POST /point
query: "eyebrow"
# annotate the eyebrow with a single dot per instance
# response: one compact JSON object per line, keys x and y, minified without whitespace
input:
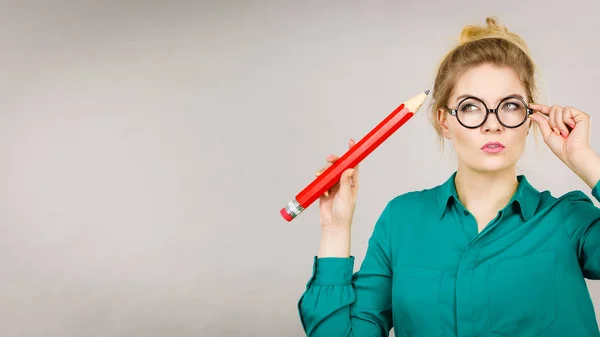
{"x":459,"y":98}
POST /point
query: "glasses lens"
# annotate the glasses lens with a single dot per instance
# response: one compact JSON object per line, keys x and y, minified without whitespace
{"x":471,"y":112}
{"x":512,"y":111}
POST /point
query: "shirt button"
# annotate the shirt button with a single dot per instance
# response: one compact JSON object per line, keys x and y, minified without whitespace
{"x":466,"y":212}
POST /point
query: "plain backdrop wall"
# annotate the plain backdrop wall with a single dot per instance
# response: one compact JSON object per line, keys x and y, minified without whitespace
{"x":147,"y":147}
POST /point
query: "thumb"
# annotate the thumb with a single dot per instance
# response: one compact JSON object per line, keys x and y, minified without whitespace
{"x":346,"y":181}
{"x":543,"y":124}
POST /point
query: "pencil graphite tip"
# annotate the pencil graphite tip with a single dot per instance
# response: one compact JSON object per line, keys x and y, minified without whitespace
{"x":427,"y":92}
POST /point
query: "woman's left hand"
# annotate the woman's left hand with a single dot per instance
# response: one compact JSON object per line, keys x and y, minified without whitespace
{"x":566,"y":130}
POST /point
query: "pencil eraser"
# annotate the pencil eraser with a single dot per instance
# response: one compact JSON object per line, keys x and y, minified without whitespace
{"x":285,"y":215}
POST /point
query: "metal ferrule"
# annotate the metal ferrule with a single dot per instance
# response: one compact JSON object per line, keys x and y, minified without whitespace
{"x":293,"y":208}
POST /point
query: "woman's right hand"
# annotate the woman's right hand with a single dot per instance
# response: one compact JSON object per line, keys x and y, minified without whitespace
{"x":337,"y":204}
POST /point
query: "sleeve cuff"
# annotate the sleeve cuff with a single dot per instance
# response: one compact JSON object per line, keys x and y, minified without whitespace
{"x":596,"y":191}
{"x":333,"y":270}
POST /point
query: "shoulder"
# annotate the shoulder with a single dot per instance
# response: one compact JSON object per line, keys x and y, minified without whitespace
{"x":575,"y":196}
{"x":415,"y":199}
{"x":547,"y":199}
{"x":577,"y":206}
{"x":574,"y":207}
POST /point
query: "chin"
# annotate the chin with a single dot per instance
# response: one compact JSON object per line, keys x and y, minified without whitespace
{"x":495,"y":164}
{"x":481,"y":162}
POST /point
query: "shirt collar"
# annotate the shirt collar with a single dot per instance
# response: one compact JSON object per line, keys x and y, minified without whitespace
{"x":446,"y":194}
{"x":525,"y":200}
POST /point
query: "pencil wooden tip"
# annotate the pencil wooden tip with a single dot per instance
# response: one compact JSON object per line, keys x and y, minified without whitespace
{"x":414,"y":104}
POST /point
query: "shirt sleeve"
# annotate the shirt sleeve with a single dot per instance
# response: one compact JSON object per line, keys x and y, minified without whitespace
{"x":338,"y":303}
{"x":583,"y":225}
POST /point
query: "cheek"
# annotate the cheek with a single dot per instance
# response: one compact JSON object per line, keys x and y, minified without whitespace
{"x":464,"y":138}
{"x":519,"y":138}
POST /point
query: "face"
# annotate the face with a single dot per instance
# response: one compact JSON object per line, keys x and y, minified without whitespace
{"x":491,"y":147}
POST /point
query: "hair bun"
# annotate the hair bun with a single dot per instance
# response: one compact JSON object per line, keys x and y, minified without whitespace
{"x":492,"y":23}
{"x":475,"y":32}
{"x":492,"y":29}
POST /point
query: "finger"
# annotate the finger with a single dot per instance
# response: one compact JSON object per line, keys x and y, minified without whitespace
{"x":578,"y":116}
{"x":330,"y":159}
{"x":543,"y":123}
{"x":552,"y":118}
{"x":559,"y":122}
{"x":352,"y":180}
{"x":568,"y":117}
{"x":547,"y":111}
{"x":540,"y":107}
{"x":352,"y":183}
{"x":346,"y":181}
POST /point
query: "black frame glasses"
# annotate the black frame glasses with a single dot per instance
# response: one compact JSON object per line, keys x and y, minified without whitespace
{"x":454,"y":112}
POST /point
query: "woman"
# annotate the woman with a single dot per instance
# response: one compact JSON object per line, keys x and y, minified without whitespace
{"x":485,"y":253}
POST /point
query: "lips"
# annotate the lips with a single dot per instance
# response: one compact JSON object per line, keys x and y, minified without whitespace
{"x":493,"y":147}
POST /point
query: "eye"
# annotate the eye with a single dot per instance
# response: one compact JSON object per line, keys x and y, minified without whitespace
{"x":470,"y":107}
{"x":511,"y":106}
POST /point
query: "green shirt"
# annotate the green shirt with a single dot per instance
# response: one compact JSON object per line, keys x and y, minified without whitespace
{"x":428,"y":271}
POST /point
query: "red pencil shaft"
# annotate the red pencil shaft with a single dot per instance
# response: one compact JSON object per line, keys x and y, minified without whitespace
{"x":354,"y":155}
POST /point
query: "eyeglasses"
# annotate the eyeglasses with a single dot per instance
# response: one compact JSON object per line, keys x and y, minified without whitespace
{"x":471,"y":112}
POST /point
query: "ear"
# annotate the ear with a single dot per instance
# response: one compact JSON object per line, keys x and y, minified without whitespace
{"x":442,"y":117}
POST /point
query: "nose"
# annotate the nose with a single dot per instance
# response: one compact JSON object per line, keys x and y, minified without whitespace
{"x":491,"y":123}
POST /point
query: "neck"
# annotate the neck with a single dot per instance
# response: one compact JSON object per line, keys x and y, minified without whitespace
{"x":485,"y":191}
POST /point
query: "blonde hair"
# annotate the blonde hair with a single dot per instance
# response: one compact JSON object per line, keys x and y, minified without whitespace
{"x":492,"y":44}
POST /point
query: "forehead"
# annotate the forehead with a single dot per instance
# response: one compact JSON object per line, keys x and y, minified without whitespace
{"x":488,"y":82}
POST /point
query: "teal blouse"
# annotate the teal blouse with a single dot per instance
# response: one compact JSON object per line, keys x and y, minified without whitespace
{"x":428,"y":271}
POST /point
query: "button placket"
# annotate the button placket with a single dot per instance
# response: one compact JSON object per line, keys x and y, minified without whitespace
{"x":464,"y":298}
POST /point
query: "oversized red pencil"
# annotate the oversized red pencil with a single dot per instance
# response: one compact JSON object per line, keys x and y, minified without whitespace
{"x":353,"y":156}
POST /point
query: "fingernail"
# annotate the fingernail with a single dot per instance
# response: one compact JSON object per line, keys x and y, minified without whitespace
{"x":572,"y":126}
{"x":330,"y":156}
{"x":564,"y":134}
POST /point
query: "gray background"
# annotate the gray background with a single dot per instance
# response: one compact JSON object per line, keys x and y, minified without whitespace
{"x":148,"y":146}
